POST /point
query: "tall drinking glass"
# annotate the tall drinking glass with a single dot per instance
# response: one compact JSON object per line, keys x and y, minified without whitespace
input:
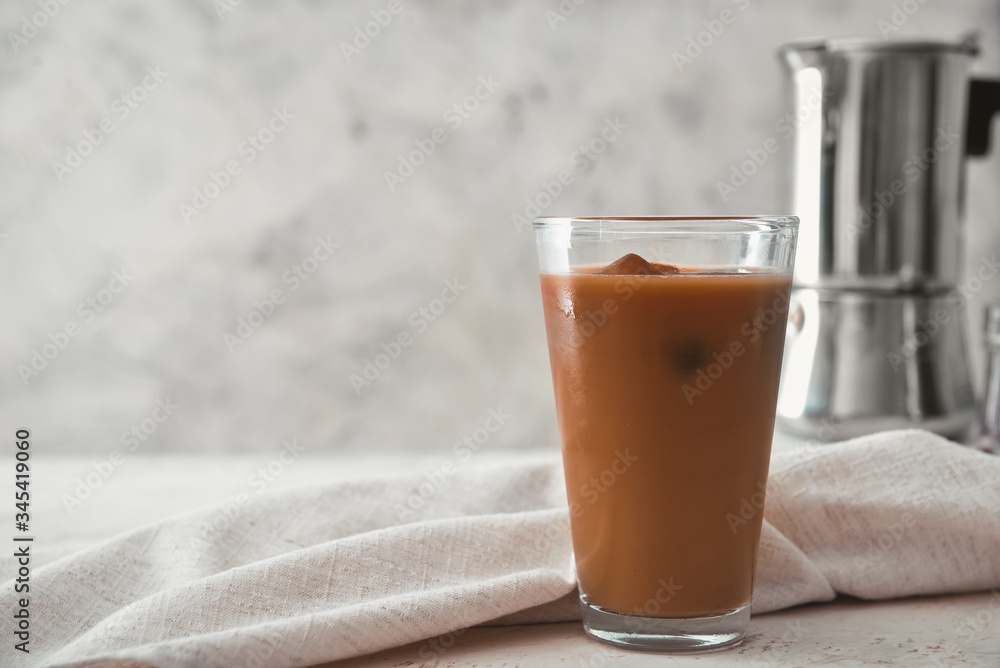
{"x":665,"y":338}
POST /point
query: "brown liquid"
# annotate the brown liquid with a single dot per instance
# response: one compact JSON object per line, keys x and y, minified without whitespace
{"x":665,"y":464}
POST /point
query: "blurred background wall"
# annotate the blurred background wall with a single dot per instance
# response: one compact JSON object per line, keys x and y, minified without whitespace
{"x":200,"y":245}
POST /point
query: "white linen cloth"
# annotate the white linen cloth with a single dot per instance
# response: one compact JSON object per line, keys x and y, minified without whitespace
{"x":313,"y":574}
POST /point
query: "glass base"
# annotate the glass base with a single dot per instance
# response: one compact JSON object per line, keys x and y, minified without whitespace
{"x":664,"y":634}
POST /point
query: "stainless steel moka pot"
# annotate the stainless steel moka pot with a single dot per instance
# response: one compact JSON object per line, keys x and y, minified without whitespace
{"x":877,"y":331}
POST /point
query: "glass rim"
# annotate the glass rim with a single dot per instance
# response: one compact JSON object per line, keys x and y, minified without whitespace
{"x":755,"y":224}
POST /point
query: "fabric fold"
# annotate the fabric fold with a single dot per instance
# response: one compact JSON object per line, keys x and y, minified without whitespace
{"x":326,"y":572}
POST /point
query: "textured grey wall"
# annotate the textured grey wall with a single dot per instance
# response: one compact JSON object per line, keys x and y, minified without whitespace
{"x":174,"y":94}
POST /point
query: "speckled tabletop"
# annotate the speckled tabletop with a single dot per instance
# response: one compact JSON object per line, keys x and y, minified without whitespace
{"x":936,"y":631}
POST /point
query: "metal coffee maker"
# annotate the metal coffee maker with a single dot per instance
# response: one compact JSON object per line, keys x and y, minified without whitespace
{"x":877,"y":335}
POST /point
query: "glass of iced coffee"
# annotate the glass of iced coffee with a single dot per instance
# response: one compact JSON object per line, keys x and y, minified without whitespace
{"x":665,"y":339}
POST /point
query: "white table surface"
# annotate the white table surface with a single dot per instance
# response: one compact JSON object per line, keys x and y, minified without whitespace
{"x":914,"y":632}
{"x":961,"y":630}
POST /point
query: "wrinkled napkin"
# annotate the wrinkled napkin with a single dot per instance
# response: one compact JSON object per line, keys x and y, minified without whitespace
{"x":313,"y":574}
